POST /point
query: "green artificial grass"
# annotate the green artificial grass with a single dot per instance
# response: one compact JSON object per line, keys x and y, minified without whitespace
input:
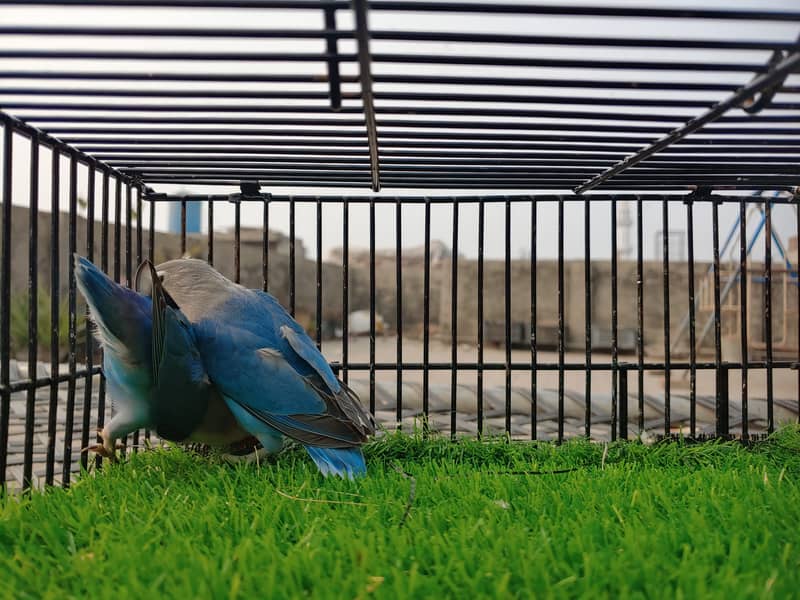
{"x":666,"y":521}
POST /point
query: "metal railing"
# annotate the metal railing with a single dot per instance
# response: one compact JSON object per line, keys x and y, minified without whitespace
{"x":420,"y":122}
{"x":618,"y":393}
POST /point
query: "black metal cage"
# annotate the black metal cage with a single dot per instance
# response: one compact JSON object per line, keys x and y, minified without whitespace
{"x":665,"y":114}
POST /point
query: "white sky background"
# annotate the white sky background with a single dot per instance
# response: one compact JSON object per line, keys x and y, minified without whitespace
{"x":413,"y":216}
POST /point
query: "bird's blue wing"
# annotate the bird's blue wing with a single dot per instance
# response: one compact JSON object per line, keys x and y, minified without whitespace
{"x":181,"y":390}
{"x":303,"y":355}
{"x":263,"y":383}
{"x":302,"y":345}
{"x":298,"y":340}
{"x":256,"y":366}
{"x":273,"y":378}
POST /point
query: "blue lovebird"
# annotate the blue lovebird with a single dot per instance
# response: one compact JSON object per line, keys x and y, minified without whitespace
{"x":210,"y":361}
{"x":154,"y":372}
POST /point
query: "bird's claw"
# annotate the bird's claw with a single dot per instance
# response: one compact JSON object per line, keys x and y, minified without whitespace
{"x":101,"y":450}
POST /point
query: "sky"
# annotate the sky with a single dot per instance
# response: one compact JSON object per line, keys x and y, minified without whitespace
{"x":441,"y":223}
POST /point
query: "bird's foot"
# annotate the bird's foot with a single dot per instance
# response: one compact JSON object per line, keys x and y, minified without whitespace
{"x":104,"y":451}
{"x":101,"y":450}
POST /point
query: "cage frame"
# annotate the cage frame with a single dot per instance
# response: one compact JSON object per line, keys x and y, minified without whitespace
{"x":597,"y":162}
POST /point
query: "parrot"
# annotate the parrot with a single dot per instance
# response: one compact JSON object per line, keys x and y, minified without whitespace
{"x":206,"y":360}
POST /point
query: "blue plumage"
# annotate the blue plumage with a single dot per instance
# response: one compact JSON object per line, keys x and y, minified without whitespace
{"x":211,"y":361}
{"x":348,"y":462}
{"x":122,"y":316}
{"x":124,"y":327}
{"x":181,"y":393}
{"x":269,"y":371}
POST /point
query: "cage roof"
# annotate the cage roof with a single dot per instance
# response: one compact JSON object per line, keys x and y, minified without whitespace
{"x":412,"y":95}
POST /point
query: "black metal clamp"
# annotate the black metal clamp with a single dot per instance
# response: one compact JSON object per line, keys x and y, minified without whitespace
{"x":250,"y":188}
{"x":760,"y":100}
{"x":701,"y":193}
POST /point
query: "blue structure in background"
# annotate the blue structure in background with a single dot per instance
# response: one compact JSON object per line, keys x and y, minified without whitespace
{"x":193,"y":212}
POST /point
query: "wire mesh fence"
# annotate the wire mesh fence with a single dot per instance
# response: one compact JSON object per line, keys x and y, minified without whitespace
{"x":538,"y":315}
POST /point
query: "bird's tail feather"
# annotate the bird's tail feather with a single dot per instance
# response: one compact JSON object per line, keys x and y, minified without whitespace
{"x":347,"y":463}
{"x":121,"y":315}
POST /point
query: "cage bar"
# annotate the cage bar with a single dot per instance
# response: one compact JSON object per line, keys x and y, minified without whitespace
{"x":5,"y":314}
{"x":33,"y":313}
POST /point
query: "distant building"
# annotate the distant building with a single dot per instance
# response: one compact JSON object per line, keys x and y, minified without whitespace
{"x":439,"y":251}
{"x":193,"y":213}
{"x":254,"y":236}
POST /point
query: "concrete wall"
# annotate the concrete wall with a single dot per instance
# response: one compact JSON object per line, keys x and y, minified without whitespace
{"x":574,"y":303}
{"x":167,"y":246}
{"x":413,"y":282}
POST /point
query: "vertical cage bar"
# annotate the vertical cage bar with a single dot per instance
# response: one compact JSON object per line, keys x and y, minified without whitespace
{"x":372,"y":306}
{"x":331,"y":48}
{"x":118,"y":259}
{"x":88,"y":385}
{"x":743,"y":313}
{"x":614,"y":323}
{"x":72,"y":245}
{"x":640,"y":309}
{"x":265,"y":247}
{"x":33,"y":311}
{"x":665,"y":261}
{"x":768,"y":311}
{"x":692,"y":333}
{"x":151,"y":240}
{"x":507,"y":312}
{"x":318,"y":275}
{"x":139,"y":234}
{"x":623,"y":404}
{"x":210,"y":228}
{"x":128,"y":235}
{"x":721,"y":411}
{"x":724,"y":395}
{"x":534,"y":386}
{"x":454,"y":324}
{"x":55,"y":245}
{"x":587,"y":306}
{"x":797,"y":281}
{"x":345,"y":286}
{"x":5,"y":320}
{"x":560,"y":295}
{"x":117,"y":228}
{"x":101,"y":391}
{"x":137,"y":257}
{"x":481,"y":228}
{"x":399,"y":278}
{"x":183,"y":228}
{"x":150,"y":249}
{"x":129,"y":263}
{"x":426,"y":314}
{"x":292,"y":287}
{"x":237,"y":241}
